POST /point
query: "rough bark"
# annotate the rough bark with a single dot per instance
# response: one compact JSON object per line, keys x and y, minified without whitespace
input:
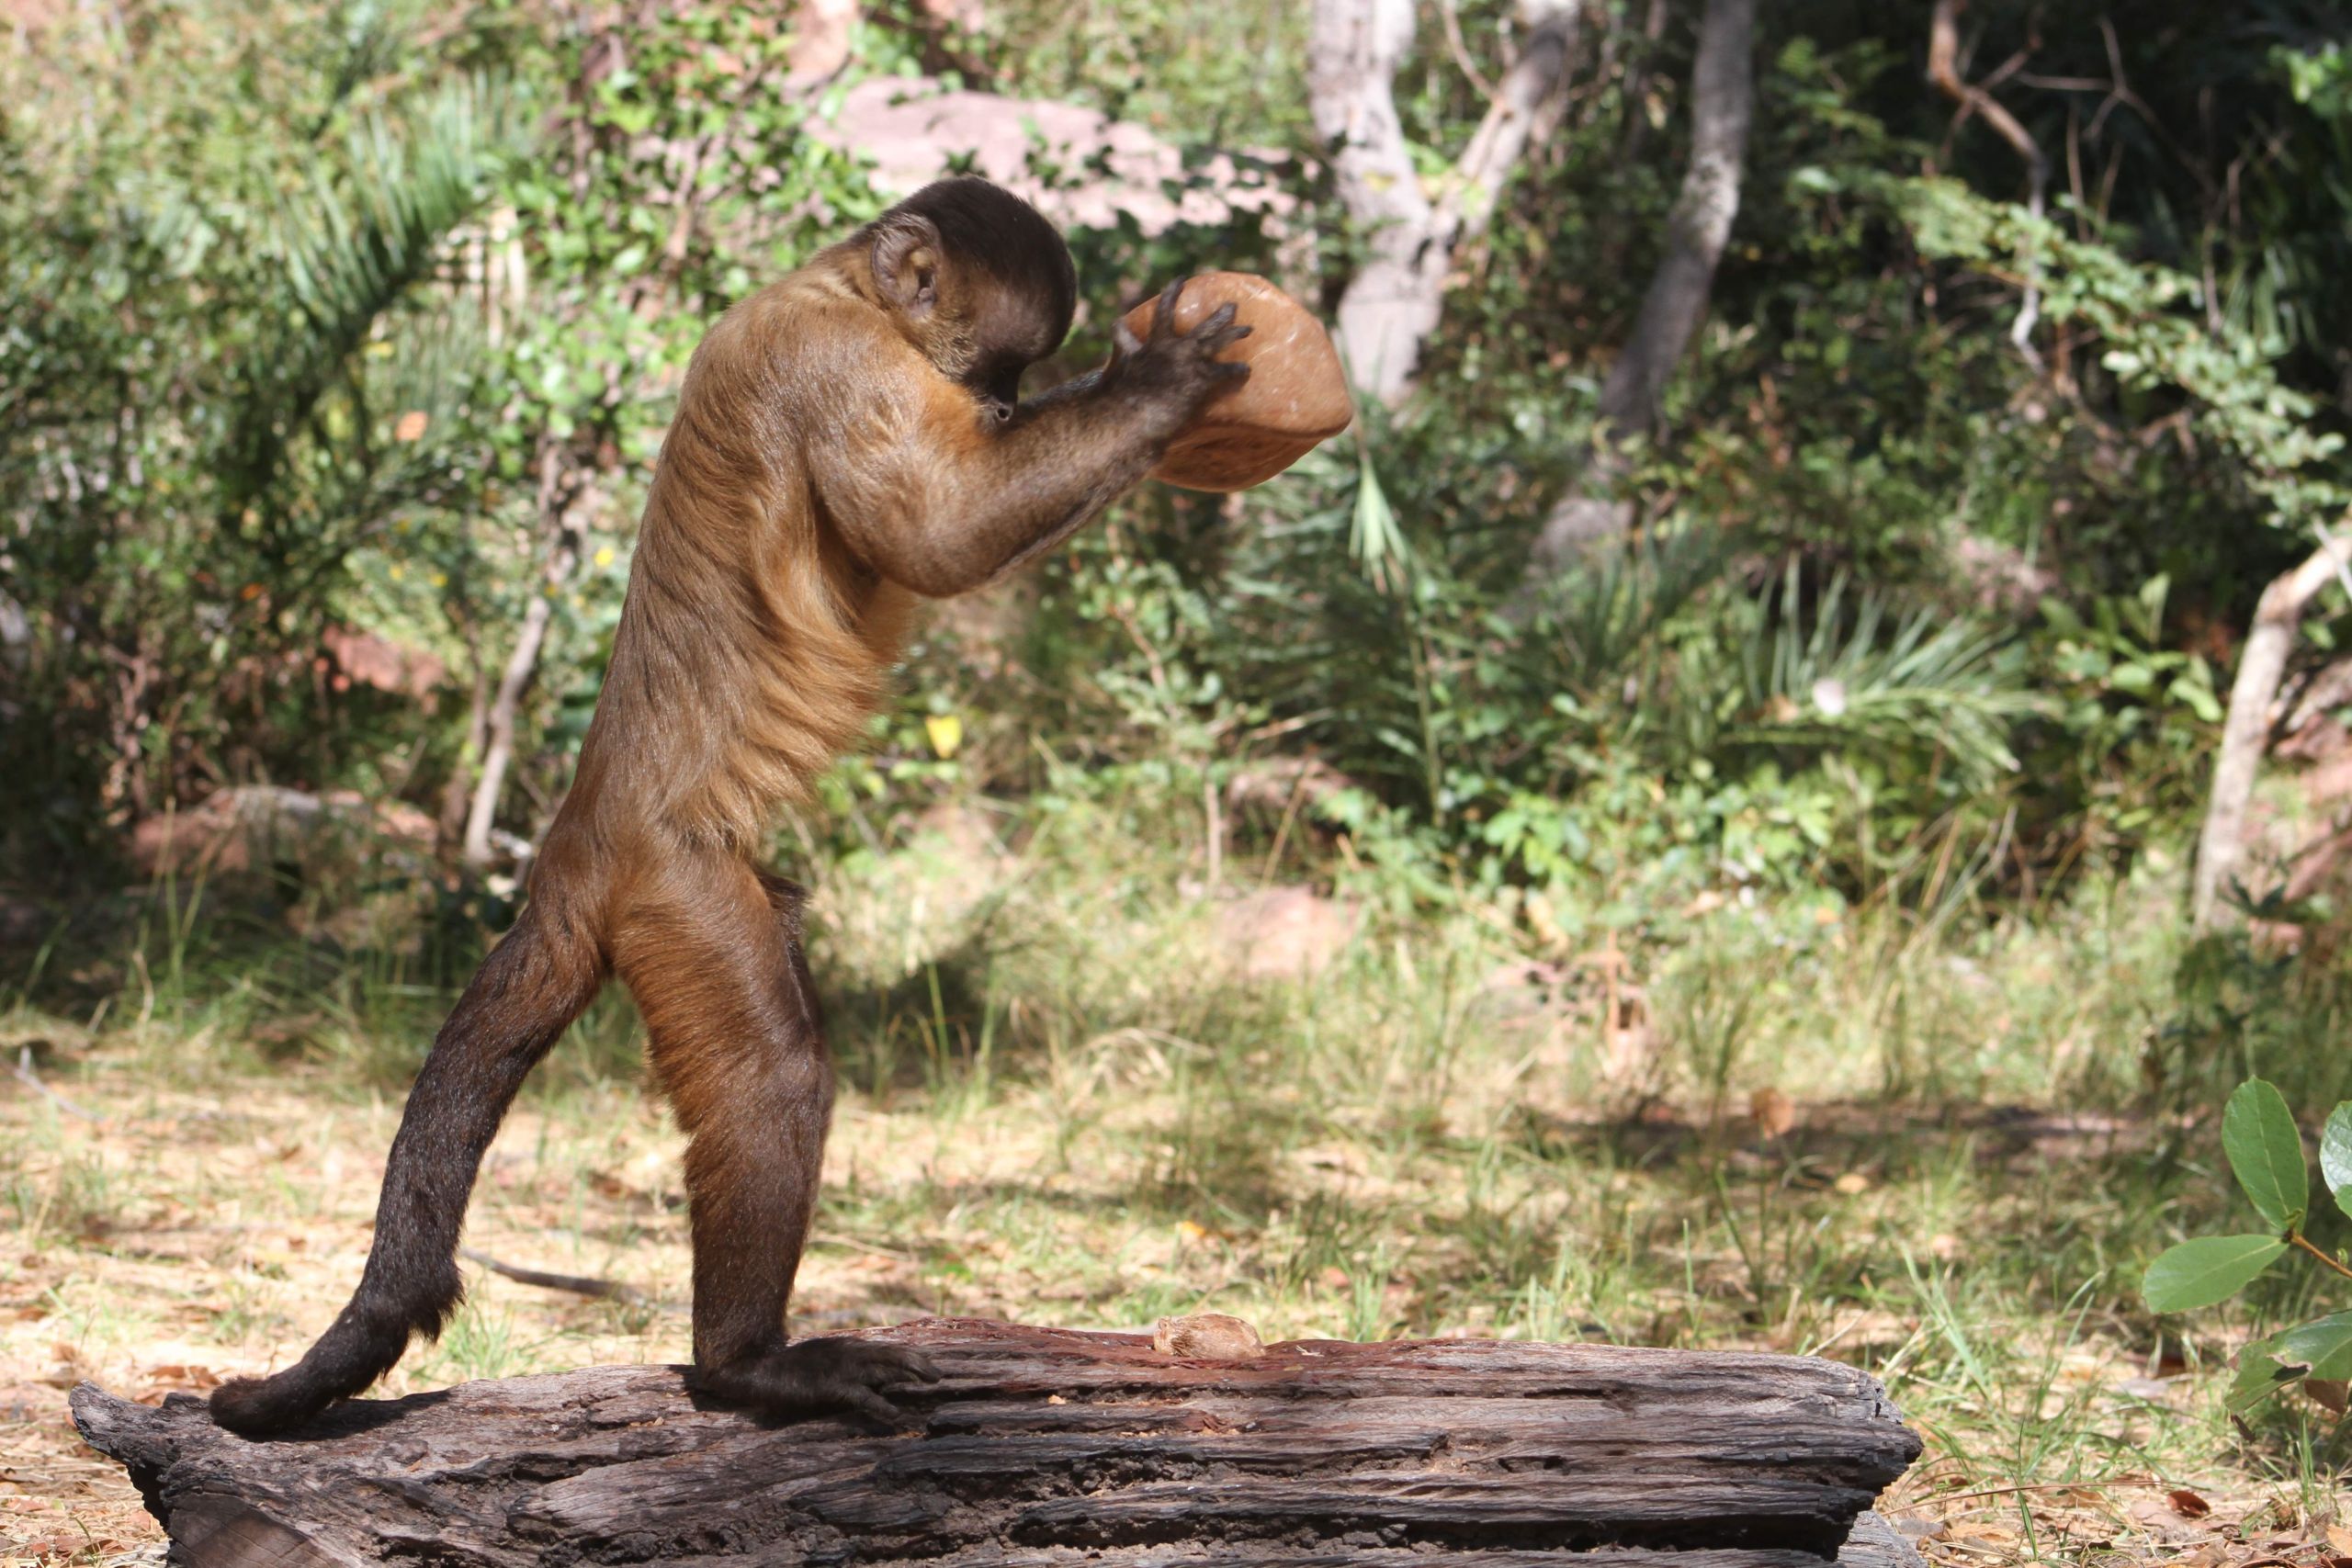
{"x":2245,"y":732}
{"x":1394,"y":303}
{"x":1723,"y":91}
{"x":1046,"y":1447}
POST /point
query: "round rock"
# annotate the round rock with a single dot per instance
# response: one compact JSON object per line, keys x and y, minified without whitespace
{"x":1295,"y":397}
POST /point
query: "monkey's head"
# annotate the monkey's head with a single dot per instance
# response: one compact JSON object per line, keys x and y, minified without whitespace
{"x":977,"y":280}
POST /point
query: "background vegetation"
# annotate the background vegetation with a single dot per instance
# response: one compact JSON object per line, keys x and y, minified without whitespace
{"x":1771,"y":930}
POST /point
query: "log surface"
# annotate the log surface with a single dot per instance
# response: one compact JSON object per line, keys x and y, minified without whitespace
{"x":1046,"y":1447}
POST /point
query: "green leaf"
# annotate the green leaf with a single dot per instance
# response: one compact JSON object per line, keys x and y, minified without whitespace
{"x":2259,"y":1376}
{"x":2336,"y":1154}
{"x":2208,"y":1269}
{"x":2197,"y":697}
{"x":2266,"y":1151}
{"x":2321,"y":1348}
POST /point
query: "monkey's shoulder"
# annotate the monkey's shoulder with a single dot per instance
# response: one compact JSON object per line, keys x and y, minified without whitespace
{"x":807,"y":355}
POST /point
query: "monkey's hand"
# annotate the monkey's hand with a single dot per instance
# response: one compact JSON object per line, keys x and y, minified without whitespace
{"x":1175,"y":373}
{"x":813,"y":1375}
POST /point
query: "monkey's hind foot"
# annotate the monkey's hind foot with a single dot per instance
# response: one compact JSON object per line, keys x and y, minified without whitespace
{"x":811,"y":1376}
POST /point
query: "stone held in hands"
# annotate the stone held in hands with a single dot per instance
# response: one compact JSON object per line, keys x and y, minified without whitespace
{"x":1296,"y":395}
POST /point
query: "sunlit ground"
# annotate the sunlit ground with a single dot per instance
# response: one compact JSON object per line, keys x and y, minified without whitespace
{"x":1095,"y":1125}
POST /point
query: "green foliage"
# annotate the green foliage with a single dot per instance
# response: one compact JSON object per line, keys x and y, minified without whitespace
{"x":2236,"y":397}
{"x":287,"y":363}
{"x":347,"y":335}
{"x":1653,"y":724}
{"x":2266,"y":1154}
{"x":234,"y":372}
{"x":2133,"y":716}
{"x":2210,"y":1269}
{"x":1195,"y":63}
{"x":2336,"y":1154}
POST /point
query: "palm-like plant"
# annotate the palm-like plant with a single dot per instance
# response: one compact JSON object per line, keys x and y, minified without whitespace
{"x":220,"y":302}
{"x":1860,"y":676}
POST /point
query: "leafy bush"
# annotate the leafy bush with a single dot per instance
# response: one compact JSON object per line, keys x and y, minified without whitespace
{"x":2266,"y":1154}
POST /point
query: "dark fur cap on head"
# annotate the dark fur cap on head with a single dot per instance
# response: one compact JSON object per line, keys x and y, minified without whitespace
{"x":991,"y":230}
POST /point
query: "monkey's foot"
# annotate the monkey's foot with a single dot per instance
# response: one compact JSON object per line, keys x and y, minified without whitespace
{"x":813,"y":1375}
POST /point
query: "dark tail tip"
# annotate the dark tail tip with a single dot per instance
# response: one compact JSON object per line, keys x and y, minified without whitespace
{"x":262,"y":1408}
{"x":343,"y":1362}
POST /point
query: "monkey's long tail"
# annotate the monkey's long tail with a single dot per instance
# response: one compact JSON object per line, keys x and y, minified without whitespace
{"x":528,"y":990}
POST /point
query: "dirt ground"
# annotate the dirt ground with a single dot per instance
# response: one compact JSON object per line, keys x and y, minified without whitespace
{"x":165,"y":1238}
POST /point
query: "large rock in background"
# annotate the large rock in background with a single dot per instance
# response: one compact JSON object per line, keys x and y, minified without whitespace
{"x":912,"y":128}
{"x":1285,"y":933}
{"x":364,"y":869}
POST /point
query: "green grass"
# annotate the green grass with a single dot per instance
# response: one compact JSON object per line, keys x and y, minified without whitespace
{"x":1060,"y":1105}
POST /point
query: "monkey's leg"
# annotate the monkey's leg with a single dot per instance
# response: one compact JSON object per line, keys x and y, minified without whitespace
{"x":528,"y":991}
{"x":737,"y":1045}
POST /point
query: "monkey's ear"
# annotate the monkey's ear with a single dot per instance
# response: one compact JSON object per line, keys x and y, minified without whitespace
{"x":907,"y":254}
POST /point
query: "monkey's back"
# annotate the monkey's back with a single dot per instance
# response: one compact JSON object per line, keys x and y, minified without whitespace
{"x":752,"y":647}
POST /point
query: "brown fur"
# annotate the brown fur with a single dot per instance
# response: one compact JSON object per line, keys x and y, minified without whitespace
{"x":846,"y":441}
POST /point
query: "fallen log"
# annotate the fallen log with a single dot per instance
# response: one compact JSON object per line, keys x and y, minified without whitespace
{"x":1046,"y":1447}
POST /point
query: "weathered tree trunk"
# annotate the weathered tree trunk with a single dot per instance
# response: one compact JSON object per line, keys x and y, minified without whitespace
{"x":2245,"y":733}
{"x":1046,"y":1447}
{"x":1393,"y":303}
{"x":1723,"y":93}
{"x":561,"y":508}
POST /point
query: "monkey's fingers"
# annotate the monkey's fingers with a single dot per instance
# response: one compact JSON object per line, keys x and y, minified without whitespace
{"x":1218,"y":320}
{"x":1163,"y":320}
{"x":1222,"y":335}
{"x":885,"y":1366}
{"x":872,"y":1407}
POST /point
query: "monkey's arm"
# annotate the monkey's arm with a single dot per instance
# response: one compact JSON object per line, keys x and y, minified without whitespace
{"x":951,"y":499}
{"x":940,"y":496}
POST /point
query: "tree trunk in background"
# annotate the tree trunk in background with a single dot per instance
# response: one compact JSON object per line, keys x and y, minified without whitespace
{"x":1637,"y":88}
{"x":1394,"y":303}
{"x":2220,"y":845}
{"x":1351,"y":58}
{"x":457,"y":801}
{"x":564,"y":514}
{"x":1723,"y":92}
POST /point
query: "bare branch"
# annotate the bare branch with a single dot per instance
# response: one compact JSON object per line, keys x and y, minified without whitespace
{"x":564,"y":514}
{"x":1396,"y":298}
{"x":31,"y":1079}
{"x":1451,"y":16}
{"x":576,"y":1284}
{"x":1943,"y":70}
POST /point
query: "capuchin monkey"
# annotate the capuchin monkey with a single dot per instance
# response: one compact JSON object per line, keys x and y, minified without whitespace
{"x":848,"y":441}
